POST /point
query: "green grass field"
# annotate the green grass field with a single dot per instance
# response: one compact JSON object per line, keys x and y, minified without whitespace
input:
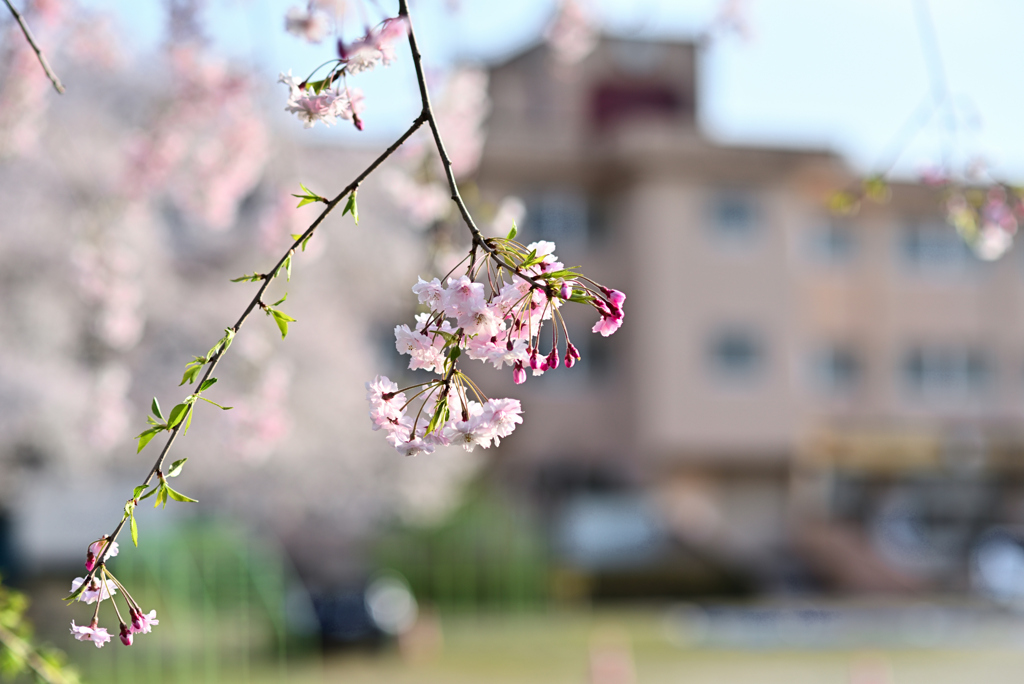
{"x":557,"y":647}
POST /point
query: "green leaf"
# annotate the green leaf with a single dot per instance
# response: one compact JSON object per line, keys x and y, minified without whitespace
{"x":138,"y":490}
{"x":176,"y":467}
{"x":512,"y":233}
{"x":249,"y":278}
{"x":77,"y":592}
{"x":282,"y":319}
{"x":440,"y":415}
{"x":191,"y":412}
{"x":178,"y":496}
{"x":150,"y":493}
{"x":191,"y":372}
{"x":135,"y":531}
{"x":281,"y":301}
{"x":207,"y":384}
{"x":146,"y":437}
{"x":351,"y":208}
{"x":454,"y":353}
{"x":156,"y":409}
{"x":161,"y":495}
{"x":222,"y":408}
{"x":288,"y":267}
{"x":177,"y":415}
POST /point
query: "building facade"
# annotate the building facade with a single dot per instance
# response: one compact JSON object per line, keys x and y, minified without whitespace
{"x":799,"y":397}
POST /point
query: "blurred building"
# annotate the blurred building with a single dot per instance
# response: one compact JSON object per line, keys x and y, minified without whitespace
{"x":796,"y":398}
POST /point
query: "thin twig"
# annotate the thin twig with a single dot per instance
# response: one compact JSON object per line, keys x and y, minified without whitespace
{"x":446,"y":162}
{"x":35,"y":46}
{"x":271,"y":274}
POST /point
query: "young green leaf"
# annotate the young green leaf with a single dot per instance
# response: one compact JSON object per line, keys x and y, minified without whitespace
{"x":207,"y":384}
{"x":440,"y":416}
{"x":351,"y":207}
{"x":281,"y":301}
{"x":146,"y":436}
{"x":222,"y":408}
{"x":177,"y":414}
{"x":138,"y":490}
{"x":161,"y":495}
{"x":176,"y":467}
{"x":249,"y":278}
{"x":135,"y":530}
{"x":156,"y":409}
{"x":77,"y":592}
{"x":178,"y":496}
{"x":282,"y":319}
{"x":150,"y":493}
{"x":191,"y":372}
{"x":512,"y":233}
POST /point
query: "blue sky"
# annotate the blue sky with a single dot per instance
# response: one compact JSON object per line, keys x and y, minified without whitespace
{"x":842,"y":74}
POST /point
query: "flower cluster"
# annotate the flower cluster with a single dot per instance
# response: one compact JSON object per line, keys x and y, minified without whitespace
{"x":329,"y":99}
{"x":98,"y":586}
{"x":986,"y":218}
{"x":499,"y":321}
{"x":326,"y":104}
{"x":376,"y":47}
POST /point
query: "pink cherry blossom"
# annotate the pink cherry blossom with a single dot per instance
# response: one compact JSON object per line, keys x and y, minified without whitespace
{"x":429,"y":293}
{"x":97,"y":635}
{"x":385,"y":402}
{"x":96,"y":590}
{"x":461,"y":297}
{"x":142,"y":623}
{"x":95,"y":549}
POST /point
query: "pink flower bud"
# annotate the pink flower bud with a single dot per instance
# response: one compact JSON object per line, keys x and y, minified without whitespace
{"x":534,"y":363}
{"x":90,"y":561}
{"x":126,"y":635}
{"x":552,"y":359}
{"x":566,"y":291}
{"x":572,"y":355}
{"x":518,"y":373}
{"x":614,"y":296}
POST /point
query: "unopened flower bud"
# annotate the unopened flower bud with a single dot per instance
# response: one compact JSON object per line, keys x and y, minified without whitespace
{"x":518,"y":373}
{"x":572,"y":355}
{"x":534,"y":363}
{"x":566,"y":291}
{"x":552,"y":359}
{"x":126,"y":635}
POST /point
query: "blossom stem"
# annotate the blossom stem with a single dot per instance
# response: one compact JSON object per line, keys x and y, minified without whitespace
{"x":256,"y":300}
{"x":446,"y":162}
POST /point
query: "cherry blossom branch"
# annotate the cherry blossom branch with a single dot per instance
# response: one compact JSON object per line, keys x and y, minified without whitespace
{"x":446,"y":162}
{"x":58,"y":86}
{"x":257,"y":300}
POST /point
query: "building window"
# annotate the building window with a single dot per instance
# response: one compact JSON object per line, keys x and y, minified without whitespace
{"x":734,"y":216}
{"x":736,"y":355}
{"x":933,"y":246}
{"x":832,"y":243}
{"x":836,"y":370}
{"x":946,"y":372}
